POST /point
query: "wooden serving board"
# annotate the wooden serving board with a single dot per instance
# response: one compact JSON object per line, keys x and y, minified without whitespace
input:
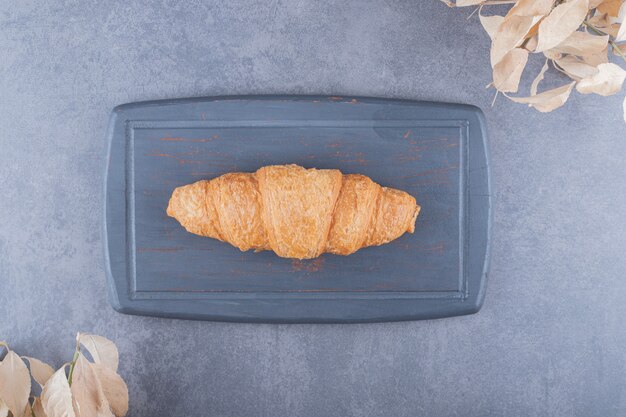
{"x":436,"y":152}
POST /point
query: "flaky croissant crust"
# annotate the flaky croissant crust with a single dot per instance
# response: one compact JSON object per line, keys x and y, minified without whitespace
{"x":296,"y":212}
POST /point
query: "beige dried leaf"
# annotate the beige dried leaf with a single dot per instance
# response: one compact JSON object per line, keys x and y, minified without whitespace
{"x":552,"y":54}
{"x":534,"y":31}
{"x":4,"y":409}
{"x":599,"y":20}
{"x":594,"y":3}
{"x":88,"y":397}
{"x":101,"y":349}
{"x":535,"y":85}
{"x":14,"y":383}
{"x":27,"y":411}
{"x":507,"y":72}
{"x":582,"y":43}
{"x":464,"y":3}
{"x":491,"y":24}
{"x":38,"y":410}
{"x":621,"y":33}
{"x":606,"y":82}
{"x":610,"y":7}
{"x":531,"y":45}
{"x":548,"y":100}
{"x":56,"y":396}
{"x":115,"y":389}
{"x":613,"y":30}
{"x":509,"y":35}
{"x":594,"y":60}
{"x":531,"y":8}
{"x":564,"y":19}
{"x":621,"y":14}
{"x":575,"y":68}
{"x":40,"y":371}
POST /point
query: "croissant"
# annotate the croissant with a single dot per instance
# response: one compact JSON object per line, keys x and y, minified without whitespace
{"x":296,"y":212}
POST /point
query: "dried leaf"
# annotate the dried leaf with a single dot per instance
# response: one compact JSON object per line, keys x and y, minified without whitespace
{"x":56,"y":396}
{"x":599,"y":20}
{"x":610,"y":7}
{"x":538,"y":79}
{"x":621,"y":33}
{"x":621,"y":15}
{"x":115,"y":389}
{"x":40,"y":371}
{"x":509,"y":35}
{"x":38,"y":408}
{"x":561,"y":23}
{"x":14,"y":383}
{"x":552,"y":54}
{"x":89,"y":399}
{"x":507,"y":72}
{"x":547,"y":100}
{"x":531,"y":45}
{"x":531,"y":8}
{"x":27,"y":411}
{"x":491,"y":24}
{"x":575,"y":68}
{"x":582,"y":43}
{"x":101,"y":349}
{"x":601,"y":57}
{"x":606,"y":82}
{"x":605,"y":23}
{"x":464,"y":3}
{"x":534,"y":31}
{"x":613,"y":30}
{"x":4,"y":410}
{"x":594,"y":3}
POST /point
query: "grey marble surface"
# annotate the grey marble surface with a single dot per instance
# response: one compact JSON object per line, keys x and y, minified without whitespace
{"x":550,"y":339}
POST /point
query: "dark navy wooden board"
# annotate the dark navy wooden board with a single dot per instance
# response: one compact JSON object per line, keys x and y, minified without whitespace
{"x":437,"y":152}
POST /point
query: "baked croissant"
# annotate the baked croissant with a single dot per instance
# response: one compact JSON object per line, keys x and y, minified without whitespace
{"x":296,"y":212}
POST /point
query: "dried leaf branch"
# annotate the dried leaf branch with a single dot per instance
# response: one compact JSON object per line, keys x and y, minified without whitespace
{"x":574,"y":35}
{"x":88,"y":389}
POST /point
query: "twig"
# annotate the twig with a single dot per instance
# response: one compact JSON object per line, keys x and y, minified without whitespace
{"x":474,"y":12}
{"x":493,"y":103}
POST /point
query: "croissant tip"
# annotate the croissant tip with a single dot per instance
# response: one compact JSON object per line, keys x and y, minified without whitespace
{"x":173,"y":202}
{"x":170,"y":204}
{"x":416,"y":213}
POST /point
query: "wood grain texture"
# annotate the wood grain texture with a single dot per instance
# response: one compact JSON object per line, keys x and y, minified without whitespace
{"x":435,"y":152}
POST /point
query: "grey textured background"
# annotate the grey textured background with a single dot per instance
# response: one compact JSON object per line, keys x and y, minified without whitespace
{"x":550,"y":339}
